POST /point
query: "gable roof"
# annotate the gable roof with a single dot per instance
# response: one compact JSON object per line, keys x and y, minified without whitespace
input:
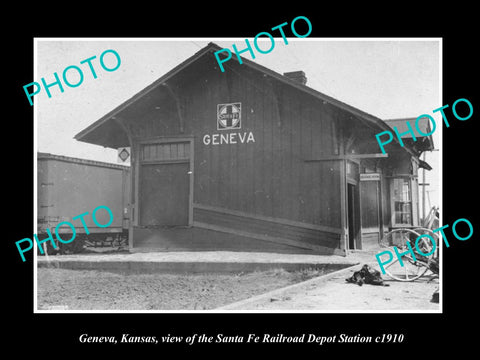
{"x":211,"y":48}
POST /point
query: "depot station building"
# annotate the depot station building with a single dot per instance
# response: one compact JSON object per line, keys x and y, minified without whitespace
{"x":253,"y":160}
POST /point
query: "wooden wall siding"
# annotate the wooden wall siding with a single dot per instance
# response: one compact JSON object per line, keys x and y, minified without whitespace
{"x":403,"y":164}
{"x":386,"y":202}
{"x":268,"y":177}
{"x":369,"y":191}
{"x":196,"y":238}
{"x":292,"y":235}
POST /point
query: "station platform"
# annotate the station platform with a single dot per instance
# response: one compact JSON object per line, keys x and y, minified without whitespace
{"x":199,"y":261}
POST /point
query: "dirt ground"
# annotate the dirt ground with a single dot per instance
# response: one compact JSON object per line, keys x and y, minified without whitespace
{"x":332,"y":293}
{"x":276,"y":290}
{"x":100,"y":290}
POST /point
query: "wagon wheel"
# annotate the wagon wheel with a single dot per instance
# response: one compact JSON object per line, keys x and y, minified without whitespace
{"x":409,"y":268}
{"x":425,"y":244}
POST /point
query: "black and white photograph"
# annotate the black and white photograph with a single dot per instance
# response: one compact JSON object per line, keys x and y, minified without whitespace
{"x":239,"y":185}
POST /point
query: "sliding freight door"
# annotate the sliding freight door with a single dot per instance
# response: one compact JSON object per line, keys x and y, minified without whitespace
{"x":165,"y":184}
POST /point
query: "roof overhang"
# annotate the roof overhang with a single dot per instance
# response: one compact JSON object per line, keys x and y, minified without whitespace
{"x":103,"y":131}
{"x":420,"y":127}
{"x":105,"y":123}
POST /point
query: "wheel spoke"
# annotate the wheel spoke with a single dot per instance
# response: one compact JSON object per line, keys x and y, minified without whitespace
{"x":390,"y":264}
{"x":413,"y":268}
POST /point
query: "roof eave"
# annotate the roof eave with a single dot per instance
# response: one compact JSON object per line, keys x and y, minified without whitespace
{"x":145,"y":91}
{"x":214,"y":47}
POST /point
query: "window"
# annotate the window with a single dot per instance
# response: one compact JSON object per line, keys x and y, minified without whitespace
{"x":402,"y":202}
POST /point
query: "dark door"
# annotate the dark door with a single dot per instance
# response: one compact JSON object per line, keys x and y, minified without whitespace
{"x":164,"y":194}
{"x":370,"y":193}
{"x":164,"y":183}
{"x":353,"y":212}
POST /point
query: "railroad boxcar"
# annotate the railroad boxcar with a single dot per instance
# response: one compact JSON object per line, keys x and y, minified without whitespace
{"x":67,"y":187}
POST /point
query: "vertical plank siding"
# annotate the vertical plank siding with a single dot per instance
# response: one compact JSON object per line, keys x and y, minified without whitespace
{"x":289,"y":184}
{"x":268,"y":177}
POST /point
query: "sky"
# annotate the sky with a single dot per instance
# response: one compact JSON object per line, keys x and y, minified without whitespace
{"x":388,"y":78}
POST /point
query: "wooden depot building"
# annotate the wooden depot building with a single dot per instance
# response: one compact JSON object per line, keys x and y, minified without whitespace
{"x":252,"y":160}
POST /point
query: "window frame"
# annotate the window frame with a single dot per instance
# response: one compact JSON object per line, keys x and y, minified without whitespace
{"x":401,"y":194}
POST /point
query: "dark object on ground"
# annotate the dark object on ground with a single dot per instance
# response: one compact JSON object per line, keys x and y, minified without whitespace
{"x":435,"y":297}
{"x":367,"y":275}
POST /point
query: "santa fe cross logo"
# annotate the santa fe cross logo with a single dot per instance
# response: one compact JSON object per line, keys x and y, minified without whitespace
{"x":229,"y":116}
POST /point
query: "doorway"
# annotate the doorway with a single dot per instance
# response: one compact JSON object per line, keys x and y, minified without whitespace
{"x":353,"y":215}
{"x":165,"y":184}
{"x":371,"y":210}
{"x":164,"y":194}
